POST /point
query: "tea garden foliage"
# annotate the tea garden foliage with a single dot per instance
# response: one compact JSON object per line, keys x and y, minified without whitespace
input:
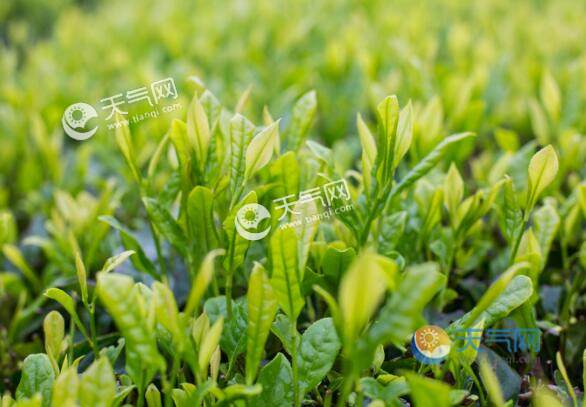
{"x":458,"y":127}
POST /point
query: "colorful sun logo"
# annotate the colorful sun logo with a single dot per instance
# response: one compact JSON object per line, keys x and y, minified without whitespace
{"x":430,"y":344}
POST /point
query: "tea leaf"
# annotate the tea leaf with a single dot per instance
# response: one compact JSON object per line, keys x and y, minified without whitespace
{"x":388,"y":393}
{"x":65,"y":388}
{"x":122,"y":136}
{"x":361,"y":290}
{"x":166,"y":225}
{"x":114,"y":261}
{"x":37,"y":377}
{"x":429,"y":162}
{"x":543,"y":169}
{"x":127,"y":308}
{"x":513,"y":216}
{"x":14,"y":255}
{"x":285,"y":172}
{"x":453,"y":190}
{"x":200,"y":215}
{"x":168,"y":314}
{"x":198,"y":131}
{"x":428,"y":392}
{"x":209,"y":344}
{"x":317,"y":352}
{"x":81,"y":277}
{"x":547,"y":223}
{"x":66,"y":302}
{"x":335,"y":262}
{"x":97,"y":387}
{"x":549,"y":93}
{"x":202,"y":281}
{"x":404,"y":134}
{"x":153,"y":396}
{"x":276,"y":378}
{"x":304,"y":229}
{"x":286,"y":277}
{"x":241,"y":132}
{"x":301,"y":120}
{"x":260,"y":149}
{"x":503,"y":296}
{"x":262,"y":308}
{"x":369,"y":151}
{"x":398,"y":318}
{"x":54,"y":329}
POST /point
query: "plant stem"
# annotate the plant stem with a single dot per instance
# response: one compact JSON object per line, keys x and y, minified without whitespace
{"x":94,"y":341}
{"x":229,"y":277}
{"x":294,"y":338}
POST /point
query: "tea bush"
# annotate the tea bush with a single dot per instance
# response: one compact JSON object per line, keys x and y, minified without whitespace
{"x":392,"y":166}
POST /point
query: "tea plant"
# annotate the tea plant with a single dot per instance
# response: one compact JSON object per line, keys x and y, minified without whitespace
{"x":125,"y":279}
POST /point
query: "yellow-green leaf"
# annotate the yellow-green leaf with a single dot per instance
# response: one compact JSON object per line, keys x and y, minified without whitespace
{"x":260,"y":149}
{"x":543,"y":169}
{"x":262,"y":307}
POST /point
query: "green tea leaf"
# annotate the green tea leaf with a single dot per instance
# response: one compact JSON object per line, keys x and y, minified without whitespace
{"x":285,"y":173}
{"x":262,"y":307}
{"x":65,"y":388}
{"x":301,"y":120}
{"x":317,"y":352}
{"x":97,"y":387}
{"x":399,"y":317}
{"x":122,"y":136}
{"x":286,"y":278}
{"x":241,"y":132}
{"x":404,"y":134}
{"x":198,"y":131}
{"x":66,"y":302}
{"x":200,"y":215}
{"x":429,"y":162}
{"x":335,"y":262}
{"x":81,"y":277}
{"x":54,"y":329}
{"x":276,"y":378}
{"x":543,"y":169}
{"x":491,"y":383}
{"x":166,"y":225}
{"x":550,"y":95}
{"x":428,"y":392}
{"x":153,"y":396}
{"x":453,"y":191}
{"x":127,"y":308}
{"x":114,"y":261}
{"x":503,"y":296}
{"x":361,"y":291}
{"x":202,"y":281}
{"x":209,"y":344}
{"x":14,"y":255}
{"x":260,"y":149}
{"x":388,"y":393}
{"x":37,"y":377}
{"x":167,"y":313}
{"x":547,"y":223}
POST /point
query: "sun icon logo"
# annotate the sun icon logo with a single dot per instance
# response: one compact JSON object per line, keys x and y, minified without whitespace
{"x":77,"y":116}
{"x":430,"y":344}
{"x":248,"y":219}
